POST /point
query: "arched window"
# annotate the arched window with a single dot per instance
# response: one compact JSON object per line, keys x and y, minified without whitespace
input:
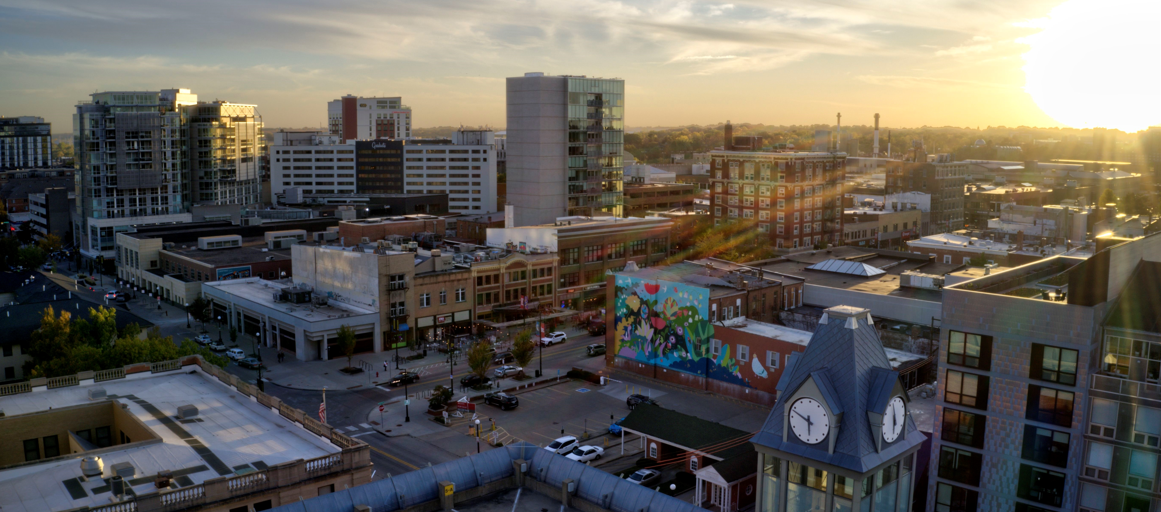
{"x":693,"y":463}
{"x":652,"y":450}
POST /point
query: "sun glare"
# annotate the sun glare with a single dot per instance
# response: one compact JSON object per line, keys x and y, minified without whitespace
{"x":1097,"y":63}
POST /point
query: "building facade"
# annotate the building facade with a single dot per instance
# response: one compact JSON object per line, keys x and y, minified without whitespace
{"x":25,"y":141}
{"x":464,"y":168}
{"x":565,"y":138}
{"x":52,"y":212}
{"x":796,"y":198}
{"x":357,"y":118}
{"x":643,"y":198}
{"x":224,"y":150}
{"x":318,"y":165}
{"x":880,"y":227}
{"x":380,"y":167}
{"x":943,"y":179}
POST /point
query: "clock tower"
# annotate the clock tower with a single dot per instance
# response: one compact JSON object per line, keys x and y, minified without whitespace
{"x":840,"y":437}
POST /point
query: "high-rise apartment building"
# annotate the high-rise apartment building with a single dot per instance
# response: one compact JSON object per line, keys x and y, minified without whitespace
{"x":25,"y":141}
{"x":1048,"y":387}
{"x":796,"y":198}
{"x":565,"y":144}
{"x":356,"y":118}
{"x":224,"y":152}
{"x":133,"y":164}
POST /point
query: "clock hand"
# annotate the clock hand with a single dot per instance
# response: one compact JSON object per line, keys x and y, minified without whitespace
{"x":800,"y":415}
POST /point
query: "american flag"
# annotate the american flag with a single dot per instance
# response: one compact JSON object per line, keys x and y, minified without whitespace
{"x":322,"y":412}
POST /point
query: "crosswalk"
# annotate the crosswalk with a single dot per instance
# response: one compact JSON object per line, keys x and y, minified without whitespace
{"x":362,"y":429}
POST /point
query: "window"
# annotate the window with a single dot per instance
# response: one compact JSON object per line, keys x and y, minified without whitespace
{"x":461,"y":295}
{"x":1099,"y":461}
{"x":1093,"y":497}
{"x":959,"y":465}
{"x":637,"y":248}
{"x":1045,"y":446}
{"x":1142,"y":469}
{"x":424,"y":300}
{"x":949,"y":498}
{"x":1053,"y":406}
{"x":1103,"y":421}
{"x":592,"y":253}
{"x":31,"y":449}
{"x":970,"y":350}
{"x":652,"y":450}
{"x":805,"y":487}
{"x":570,"y":256}
{"x":104,"y":439}
{"x":963,"y":427}
{"x":1041,"y":485}
{"x":771,"y":359}
{"x":615,"y":251}
{"x":443,"y":297}
{"x":966,"y":389}
{"x":743,"y":351}
{"x":51,"y":447}
{"x":693,"y":463}
{"x":1053,"y":364}
{"x":1147,"y":426}
{"x":716,"y":347}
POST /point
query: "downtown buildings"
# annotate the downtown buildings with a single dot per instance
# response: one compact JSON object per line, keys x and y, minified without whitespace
{"x":796,"y":198}
{"x":25,"y":142}
{"x":356,"y":118}
{"x":148,"y":157}
{"x":565,"y":138}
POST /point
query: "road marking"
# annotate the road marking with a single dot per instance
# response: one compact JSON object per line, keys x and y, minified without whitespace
{"x":364,"y":425}
{"x":362,"y":433}
{"x":544,"y":436}
{"x":351,"y":429}
{"x":394,"y":458}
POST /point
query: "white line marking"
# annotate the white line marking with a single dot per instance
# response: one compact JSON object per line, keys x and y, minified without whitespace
{"x":351,"y":429}
{"x":362,"y":433}
{"x":364,"y":425}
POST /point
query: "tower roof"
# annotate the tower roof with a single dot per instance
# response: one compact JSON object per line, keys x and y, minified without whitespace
{"x":845,"y":358}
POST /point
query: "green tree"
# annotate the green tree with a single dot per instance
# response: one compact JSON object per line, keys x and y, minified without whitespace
{"x":9,"y":251}
{"x":51,"y":344}
{"x":200,"y":309}
{"x":440,"y":396}
{"x":345,"y":343}
{"x":31,"y":256}
{"x":978,"y":260}
{"x":62,"y":150}
{"x":523,"y":348}
{"x":25,"y":234}
{"x":99,"y":329}
{"x":1107,"y":197}
{"x":480,"y":358}
{"x":50,"y":243}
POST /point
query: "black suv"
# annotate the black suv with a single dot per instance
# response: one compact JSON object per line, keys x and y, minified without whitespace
{"x":502,"y":400}
{"x":503,"y":358}
{"x":404,"y":378}
{"x":474,"y":380}
{"x":635,"y":400}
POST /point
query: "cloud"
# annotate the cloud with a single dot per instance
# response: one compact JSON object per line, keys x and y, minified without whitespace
{"x":964,"y":49}
{"x":910,"y":82}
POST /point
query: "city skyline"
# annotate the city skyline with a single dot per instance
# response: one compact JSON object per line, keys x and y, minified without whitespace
{"x":927,"y":63}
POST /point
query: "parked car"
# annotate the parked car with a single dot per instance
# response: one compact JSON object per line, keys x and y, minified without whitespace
{"x":553,"y":338}
{"x":111,"y":294}
{"x":635,"y":400}
{"x":586,"y":453}
{"x":122,"y":298}
{"x":615,"y":428}
{"x":596,"y":329}
{"x":202,"y":339}
{"x":46,"y":266}
{"x":503,"y":358}
{"x":236,"y":354}
{"x":596,"y":349}
{"x":507,"y":371}
{"x":251,"y":362}
{"x":404,"y":377}
{"x":473,"y":380}
{"x":217,"y":346}
{"x":646,"y":477}
{"x":562,"y":445}
{"x":502,"y":400}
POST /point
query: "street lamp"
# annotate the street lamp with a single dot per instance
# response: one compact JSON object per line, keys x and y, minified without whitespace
{"x":258,"y":341}
{"x":406,"y":403}
{"x":219,"y":327}
{"x":187,"y":315}
{"x":477,"y":436}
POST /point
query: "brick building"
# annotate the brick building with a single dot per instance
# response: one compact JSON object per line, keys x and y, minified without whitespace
{"x":475,"y":227}
{"x":943,"y":179}
{"x":642,"y":198}
{"x":794,"y":197}
{"x":354,"y":231}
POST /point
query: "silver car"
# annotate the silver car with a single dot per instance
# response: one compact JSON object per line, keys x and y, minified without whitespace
{"x":645,"y":477}
{"x":507,"y":371}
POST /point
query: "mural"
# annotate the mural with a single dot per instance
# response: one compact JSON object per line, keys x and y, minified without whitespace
{"x":667,"y":324}
{"x":226,"y":274}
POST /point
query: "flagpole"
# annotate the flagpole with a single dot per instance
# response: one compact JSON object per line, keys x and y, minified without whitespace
{"x":324,"y":419}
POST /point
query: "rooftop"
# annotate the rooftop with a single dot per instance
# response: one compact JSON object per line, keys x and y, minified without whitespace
{"x":231,"y":435}
{"x":720,"y":280}
{"x":261,"y":292}
{"x":892,"y":263}
{"x":778,"y":332}
{"x":811,"y":154}
{"x":253,"y":249}
{"x":962,"y":242}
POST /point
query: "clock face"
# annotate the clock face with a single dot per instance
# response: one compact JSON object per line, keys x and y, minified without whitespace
{"x":809,"y":421}
{"x":893,"y":419}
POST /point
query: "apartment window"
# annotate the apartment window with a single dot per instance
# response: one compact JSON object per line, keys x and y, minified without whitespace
{"x":1041,"y":485}
{"x":51,"y":447}
{"x":615,"y":251}
{"x":771,"y":359}
{"x":396,"y":282}
{"x":716,"y":347}
{"x":693,"y":463}
{"x":950,"y":498}
{"x":1103,"y":420}
{"x":424,"y":300}
{"x":964,"y":428}
{"x":1142,"y":469}
{"x":1050,"y":405}
{"x":1045,"y":446}
{"x":972,"y":350}
{"x":966,"y":389}
{"x":1099,"y":461}
{"x":959,"y":465}
{"x":592,"y":253}
{"x":461,"y":295}
{"x":1053,"y":364}
{"x":1093,"y":497}
{"x":570,"y":256}
{"x":743,"y":351}
{"x":638,"y":248}
{"x":443,"y":297}
{"x":31,"y":450}
{"x":1147,"y":426}
{"x":104,"y":438}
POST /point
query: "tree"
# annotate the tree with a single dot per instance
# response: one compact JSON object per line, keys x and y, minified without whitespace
{"x":233,"y":335}
{"x":31,"y":256}
{"x":25,"y":233}
{"x":440,"y":396}
{"x":523,"y":349}
{"x":9,"y":252}
{"x":100,"y":329}
{"x":480,"y":358}
{"x":50,"y":243}
{"x":201,"y":311}
{"x":978,"y":260}
{"x":51,"y":344}
{"x":345,"y":343}
{"x":1107,"y":197}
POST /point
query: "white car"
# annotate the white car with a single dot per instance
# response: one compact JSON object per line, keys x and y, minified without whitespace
{"x":553,"y":338}
{"x":562,"y":445}
{"x":506,"y":371}
{"x":202,"y":339}
{"x":236,"y":354}
{"x":111,"y":294}
{"x":586,"y":453}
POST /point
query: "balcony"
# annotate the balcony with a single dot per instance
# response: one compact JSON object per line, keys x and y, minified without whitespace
{"x":396,"y":285}
{"x":397,"y":312}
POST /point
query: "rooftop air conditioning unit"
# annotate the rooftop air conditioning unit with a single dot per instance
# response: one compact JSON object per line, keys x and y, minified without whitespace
{"x":92,"y":466}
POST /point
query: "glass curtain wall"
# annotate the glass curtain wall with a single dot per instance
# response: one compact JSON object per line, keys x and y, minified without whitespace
{"x":596,"y":134}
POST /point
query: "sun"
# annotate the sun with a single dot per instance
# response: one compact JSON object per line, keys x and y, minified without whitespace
{"x":1097,"y":63}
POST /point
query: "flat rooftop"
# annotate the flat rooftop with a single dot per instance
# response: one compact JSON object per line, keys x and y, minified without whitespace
{"x":231,"y":435}
{"x":893,"y":263}
{"x":721,"y":278}
{"x":962,"y":242}
{"x":778,"y":332}
{"x":261,"y":292}
{"x":252,"y":250}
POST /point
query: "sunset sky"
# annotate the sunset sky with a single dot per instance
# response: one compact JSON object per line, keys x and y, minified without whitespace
{"x":916,"y":62}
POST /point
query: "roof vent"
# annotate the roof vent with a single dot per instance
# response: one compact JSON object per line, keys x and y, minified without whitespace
{"x":186,"y":412}
{"x":97,"y":394}
{"x":123,"y":469}
{"x":92,"y":466}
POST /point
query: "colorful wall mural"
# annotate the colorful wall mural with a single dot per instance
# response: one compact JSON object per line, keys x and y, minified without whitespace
{"x":226,"y":274}
{"x":667,"y":324}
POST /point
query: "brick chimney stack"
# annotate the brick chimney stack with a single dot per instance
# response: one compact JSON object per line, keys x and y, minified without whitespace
{"x":1019,"y":241}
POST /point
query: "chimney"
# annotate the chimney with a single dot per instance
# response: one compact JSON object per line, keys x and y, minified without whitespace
{"x":838,"y":131}
{"x":1019,"y":241}
{"x":729,"y":137}
{"x":876,"y":144}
